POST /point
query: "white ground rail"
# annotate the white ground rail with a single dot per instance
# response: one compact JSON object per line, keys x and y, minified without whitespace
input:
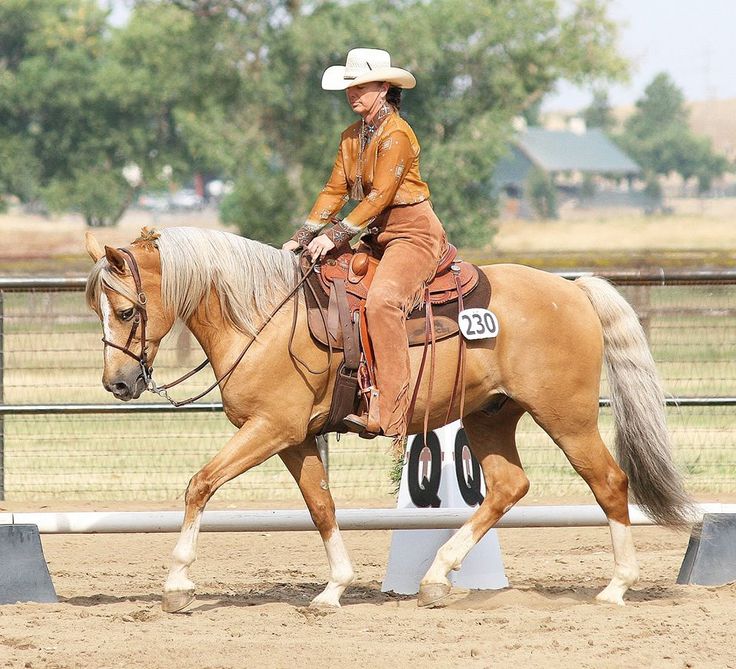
{"x":100,"y":522}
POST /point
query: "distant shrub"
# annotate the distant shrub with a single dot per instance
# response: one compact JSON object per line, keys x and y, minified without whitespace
{"x":542,"y":194}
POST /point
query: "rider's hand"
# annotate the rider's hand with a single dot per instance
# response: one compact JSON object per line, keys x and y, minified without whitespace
{"x":291,"y":245}
{"x":319,"y":246}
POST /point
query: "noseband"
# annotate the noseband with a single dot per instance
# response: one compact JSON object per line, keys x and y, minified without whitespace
{"x":139,"y":320}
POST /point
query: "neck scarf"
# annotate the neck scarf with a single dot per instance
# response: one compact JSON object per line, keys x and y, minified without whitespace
{"x":367,"y":130}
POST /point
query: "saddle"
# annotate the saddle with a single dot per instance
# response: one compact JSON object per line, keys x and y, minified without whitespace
{"x":349,"y":276}
{"x":336,"y":296}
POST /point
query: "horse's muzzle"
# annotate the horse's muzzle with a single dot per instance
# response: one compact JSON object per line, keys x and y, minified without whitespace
{"x":126,"y":389}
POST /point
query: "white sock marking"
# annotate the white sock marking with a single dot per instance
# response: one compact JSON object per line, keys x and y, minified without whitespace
{"x":185,"y":553}
{"x":341,"y":571}
{"x":451,"y":555}
{"x":626,"y":569}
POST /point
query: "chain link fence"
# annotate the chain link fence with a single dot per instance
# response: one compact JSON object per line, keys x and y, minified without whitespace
{"x":62,"y":436}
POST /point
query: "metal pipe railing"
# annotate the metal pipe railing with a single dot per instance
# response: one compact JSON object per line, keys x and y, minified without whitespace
{"x":656,"y":276}
{"x":643,"y":277}
{"x":160,"y":407}
{"x":154,"y":407}
{"x":23,"y":283}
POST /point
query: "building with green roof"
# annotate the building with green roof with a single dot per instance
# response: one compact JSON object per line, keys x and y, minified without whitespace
{"x":585,"y":167}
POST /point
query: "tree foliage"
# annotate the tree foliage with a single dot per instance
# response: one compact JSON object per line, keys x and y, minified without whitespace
{"x":81,"y":101}
{"x":599,"y":114}
{"x":542,"y":194}
{"x":231,"y":88}
{"x":658,"y":137}
{"x":478,"y":64}
{"x":52,"y":107}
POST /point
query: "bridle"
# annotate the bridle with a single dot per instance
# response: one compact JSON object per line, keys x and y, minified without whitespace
{"x":141,"y":320}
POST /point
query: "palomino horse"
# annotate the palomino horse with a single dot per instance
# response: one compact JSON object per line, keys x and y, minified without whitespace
{"x":554,"y":337}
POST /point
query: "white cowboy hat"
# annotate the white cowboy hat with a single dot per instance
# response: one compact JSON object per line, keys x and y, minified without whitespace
{"x":363,"y":66}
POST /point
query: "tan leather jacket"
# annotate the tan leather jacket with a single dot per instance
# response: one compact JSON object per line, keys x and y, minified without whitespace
{"x":390,"y":177}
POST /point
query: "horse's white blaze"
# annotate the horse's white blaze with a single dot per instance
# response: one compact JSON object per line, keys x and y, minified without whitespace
{"x":626,"y":569}
{"x":451,"y":555}
{"x":185,"y":552}
{"x":106,"y":311}
{"x":341,"y":571}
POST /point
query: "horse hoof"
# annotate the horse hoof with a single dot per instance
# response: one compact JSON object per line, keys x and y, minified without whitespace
{"x":176,"y":600}
{"x":432,"y":594}
{"x":322,"y":605}
{"x":605,"y":598}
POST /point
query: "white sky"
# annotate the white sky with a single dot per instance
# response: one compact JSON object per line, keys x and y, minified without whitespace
{"x":692,"y":40}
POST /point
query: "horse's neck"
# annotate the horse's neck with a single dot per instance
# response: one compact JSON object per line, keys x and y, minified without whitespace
{"x":222,"y":343}
{"x":214,"y":334}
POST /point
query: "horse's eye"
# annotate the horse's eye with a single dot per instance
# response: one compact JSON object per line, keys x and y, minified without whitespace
{"x":127,"y":314}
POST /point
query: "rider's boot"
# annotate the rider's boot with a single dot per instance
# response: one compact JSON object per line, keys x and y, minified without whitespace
{"x":358,"y":423}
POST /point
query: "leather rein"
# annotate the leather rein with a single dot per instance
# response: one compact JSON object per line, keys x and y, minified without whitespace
{"x":141,"y":320}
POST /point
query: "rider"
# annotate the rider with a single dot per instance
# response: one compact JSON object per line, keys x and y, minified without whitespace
{"x":377,"y":165}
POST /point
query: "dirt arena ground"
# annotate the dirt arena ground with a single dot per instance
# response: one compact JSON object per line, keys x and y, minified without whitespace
{"x":254,"y":589}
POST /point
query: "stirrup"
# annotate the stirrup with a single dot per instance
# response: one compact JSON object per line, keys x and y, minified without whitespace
{"x":359,"y":425}
{"x":356,"y":423}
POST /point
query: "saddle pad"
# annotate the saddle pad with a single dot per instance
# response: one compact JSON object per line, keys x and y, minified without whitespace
{"x":445,"y":315}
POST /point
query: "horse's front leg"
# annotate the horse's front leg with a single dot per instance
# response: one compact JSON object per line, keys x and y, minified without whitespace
{"x":252,"y":444}
{"x":306,"y":467}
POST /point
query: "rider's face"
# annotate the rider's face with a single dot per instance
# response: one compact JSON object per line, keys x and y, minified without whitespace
{"x":363,"y":98}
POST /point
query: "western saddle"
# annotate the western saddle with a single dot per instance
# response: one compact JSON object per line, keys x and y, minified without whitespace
{"x":336,"y":296}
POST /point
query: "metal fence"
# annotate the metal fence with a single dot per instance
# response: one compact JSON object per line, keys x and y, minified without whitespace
{"x":62,"y":435}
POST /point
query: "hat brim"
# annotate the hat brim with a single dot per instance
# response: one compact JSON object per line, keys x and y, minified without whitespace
{"x":334,"y":78}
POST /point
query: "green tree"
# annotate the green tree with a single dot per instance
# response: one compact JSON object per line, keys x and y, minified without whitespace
{"x":542,"y":194}
{"x":79,"y":101}
{"x":176,"y":77}
{"x":231,"y":87}
{"x":59,"y":118}
{"x":663,"y":104}
{"x":478,"y":65}
{"x":19,"y":169}
{"x":599,"y":114}
{"x":658,"y":137}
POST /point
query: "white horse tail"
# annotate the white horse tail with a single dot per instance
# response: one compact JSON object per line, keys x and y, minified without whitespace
{"x":642,"y":440}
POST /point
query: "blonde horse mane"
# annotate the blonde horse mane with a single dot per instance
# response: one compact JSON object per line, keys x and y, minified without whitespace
{"x":249,"y":277}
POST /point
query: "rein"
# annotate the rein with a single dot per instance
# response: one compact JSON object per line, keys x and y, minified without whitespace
{"x":141,"y":319}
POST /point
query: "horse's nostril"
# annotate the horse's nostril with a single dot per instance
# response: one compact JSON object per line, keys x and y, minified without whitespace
{"x":120,"y":388}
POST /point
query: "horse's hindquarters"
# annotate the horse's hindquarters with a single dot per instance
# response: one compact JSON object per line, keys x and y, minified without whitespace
{"x":549,"y":347}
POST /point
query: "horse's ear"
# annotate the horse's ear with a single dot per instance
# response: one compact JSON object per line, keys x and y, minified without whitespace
{"x":93,"y":246}
{"x":116,"y":260}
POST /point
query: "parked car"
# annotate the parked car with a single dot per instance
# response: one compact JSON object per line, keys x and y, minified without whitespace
{"x":157,"y":202}
{"x":186,"y":199}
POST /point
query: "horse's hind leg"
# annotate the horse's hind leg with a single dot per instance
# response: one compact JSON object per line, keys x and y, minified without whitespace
{"x":492,"y":441}
{"x":591,"y":459}
{"x":306,"y":467}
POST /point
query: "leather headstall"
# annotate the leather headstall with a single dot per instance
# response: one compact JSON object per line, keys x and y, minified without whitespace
{"x":139,"y":320}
